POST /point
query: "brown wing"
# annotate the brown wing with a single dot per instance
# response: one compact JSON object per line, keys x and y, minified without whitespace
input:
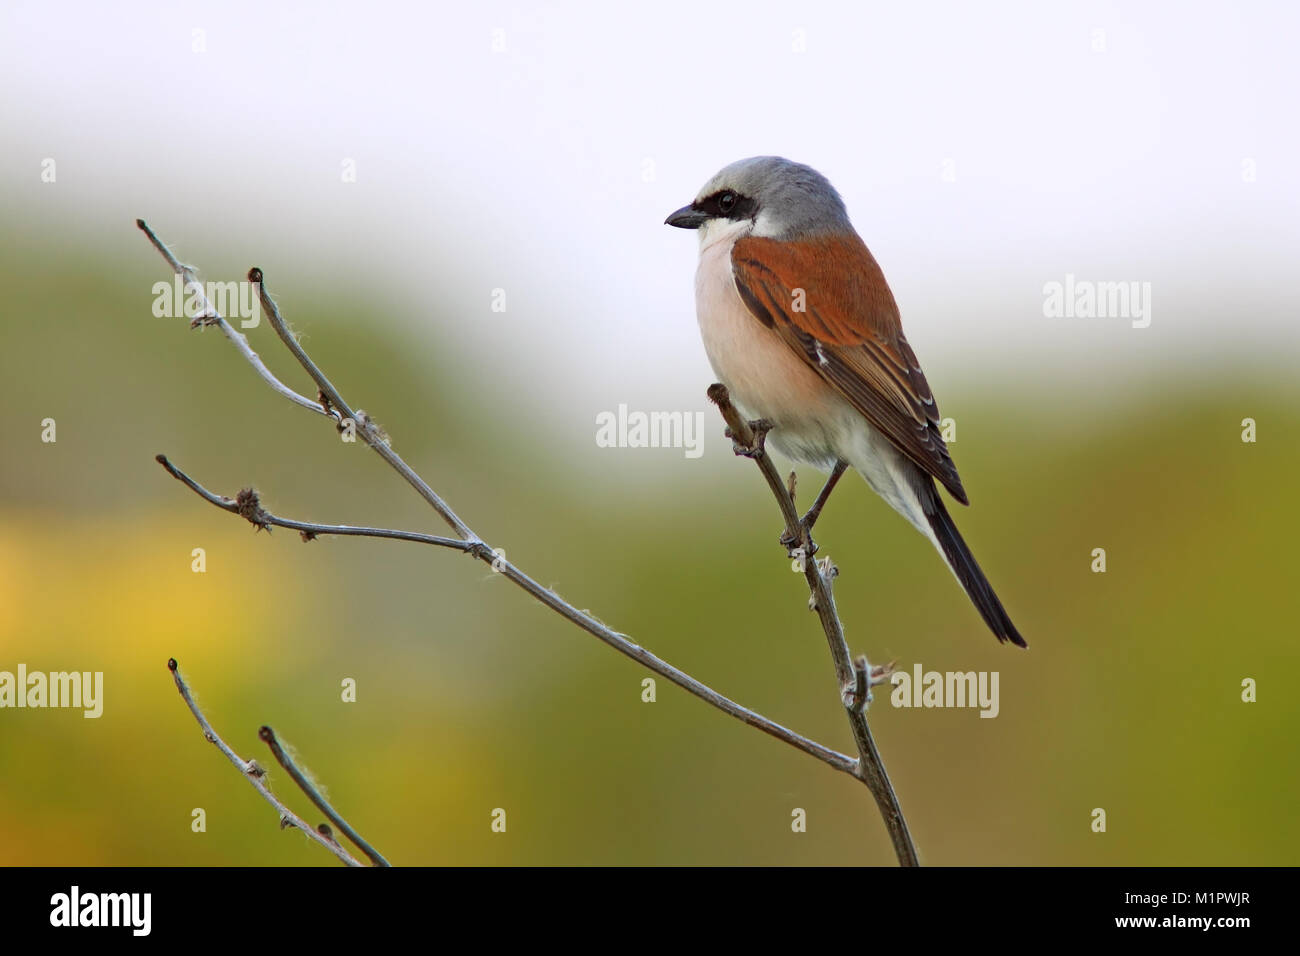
{"x":845,"y":326}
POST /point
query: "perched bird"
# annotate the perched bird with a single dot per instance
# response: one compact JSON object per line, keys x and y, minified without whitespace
{"x":799,"y":324}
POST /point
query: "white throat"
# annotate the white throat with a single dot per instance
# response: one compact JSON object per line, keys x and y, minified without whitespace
{"x":723,"y":230}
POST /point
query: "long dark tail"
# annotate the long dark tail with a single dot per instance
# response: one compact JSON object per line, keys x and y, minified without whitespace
{"x":967,"y":570}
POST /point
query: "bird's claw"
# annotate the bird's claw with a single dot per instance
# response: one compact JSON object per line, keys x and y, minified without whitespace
{"x":760,"y":428}
{"x":791,"y":540}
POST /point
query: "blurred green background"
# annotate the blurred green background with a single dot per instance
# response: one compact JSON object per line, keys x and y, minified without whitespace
{"x":472,"y":697}
{"x":394,"y":167}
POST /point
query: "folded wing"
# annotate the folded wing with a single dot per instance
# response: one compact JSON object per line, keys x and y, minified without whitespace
{"x":827,"y":299}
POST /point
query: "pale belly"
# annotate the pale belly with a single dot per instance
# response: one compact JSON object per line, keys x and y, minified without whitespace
{"x":766,"y":379}
{"x":812,"y":422}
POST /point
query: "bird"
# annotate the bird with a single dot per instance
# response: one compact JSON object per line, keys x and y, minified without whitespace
{"x":801,"y":327}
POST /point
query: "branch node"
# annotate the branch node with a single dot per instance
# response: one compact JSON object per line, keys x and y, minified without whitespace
{"x":478,"y":548}
{"x":858,"y":694}
{"x":249,"y":508}
{"x":829,"y":571}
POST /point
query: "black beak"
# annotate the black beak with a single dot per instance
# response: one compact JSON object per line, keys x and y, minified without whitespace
{"x":688,"y":217}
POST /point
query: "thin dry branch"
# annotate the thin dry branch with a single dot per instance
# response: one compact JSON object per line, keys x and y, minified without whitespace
{"x":248,"y":505}
{"x":332,"y":404}
{"x":370,"y":432}
{"x":255,"y":775}
{"x":210,"y":316}
{"x":854,"y":681}
{"x":306,"y":786}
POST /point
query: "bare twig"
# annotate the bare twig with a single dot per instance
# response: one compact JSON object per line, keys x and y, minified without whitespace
{"x":870,"y":769}
{"x":373,"y":436}
{"x":210,"y":316}
{"x":259,"y":517}
{"x":248,"y":506}
{"x":332,"y":404}
{"x":255,"y":774}
{"x":307,"y":787}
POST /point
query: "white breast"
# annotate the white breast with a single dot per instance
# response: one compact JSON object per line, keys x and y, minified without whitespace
{"x":765,"y":377}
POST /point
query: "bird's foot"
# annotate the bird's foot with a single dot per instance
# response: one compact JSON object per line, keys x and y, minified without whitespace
{"x":789,"y":538}
{"x":794,"y":540}
{"x":760,"y":428}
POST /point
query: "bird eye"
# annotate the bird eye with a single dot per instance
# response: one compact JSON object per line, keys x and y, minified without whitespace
{"x":727,"y":201}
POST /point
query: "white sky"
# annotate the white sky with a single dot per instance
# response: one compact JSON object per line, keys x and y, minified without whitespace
{"x":527,"y":169}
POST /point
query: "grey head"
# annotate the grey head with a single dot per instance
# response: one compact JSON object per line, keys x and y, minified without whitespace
{"x":781,"y":199}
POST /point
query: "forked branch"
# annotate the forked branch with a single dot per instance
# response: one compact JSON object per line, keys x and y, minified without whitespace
{"x":333,"y":405}
{"x":855,"y":678}
{"x":255,"y":775}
